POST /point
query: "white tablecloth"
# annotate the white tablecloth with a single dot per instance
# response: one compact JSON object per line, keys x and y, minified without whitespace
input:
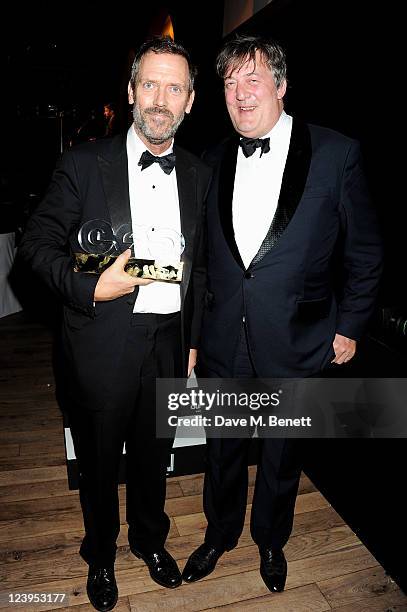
{"x":8,"y":301}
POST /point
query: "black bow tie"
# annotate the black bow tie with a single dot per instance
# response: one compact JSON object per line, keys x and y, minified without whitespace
{"x":249,"y":145}
{"x":167,"y":162}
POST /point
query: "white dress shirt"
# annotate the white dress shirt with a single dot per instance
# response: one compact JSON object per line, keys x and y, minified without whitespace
{"x":257,"y":189}
{"x":154,"y":206}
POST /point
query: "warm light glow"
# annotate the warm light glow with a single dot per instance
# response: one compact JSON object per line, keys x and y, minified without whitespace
{"x":168,"y":29}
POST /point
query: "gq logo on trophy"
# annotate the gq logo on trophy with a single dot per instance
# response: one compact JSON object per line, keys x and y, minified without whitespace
{"x":159,"y":250}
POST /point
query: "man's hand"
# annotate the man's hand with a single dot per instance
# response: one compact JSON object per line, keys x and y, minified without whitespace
{"x":115,"y":282}
{"x":193,"y":354}
{"x":344,"y":348}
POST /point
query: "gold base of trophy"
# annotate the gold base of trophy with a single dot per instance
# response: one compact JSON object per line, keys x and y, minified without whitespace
{"x":142,"y":268}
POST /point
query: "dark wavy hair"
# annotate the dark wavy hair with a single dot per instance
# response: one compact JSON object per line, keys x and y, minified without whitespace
{"x":241,"y":49}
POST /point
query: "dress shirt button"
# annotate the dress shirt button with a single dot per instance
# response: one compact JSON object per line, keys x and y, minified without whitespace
{"x":248,"y":275}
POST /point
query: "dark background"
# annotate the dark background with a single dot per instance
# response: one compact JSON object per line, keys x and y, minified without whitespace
{"x":67,"y":59}
{"x":74,"y":57}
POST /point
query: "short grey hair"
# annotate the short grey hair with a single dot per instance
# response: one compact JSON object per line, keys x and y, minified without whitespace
{"x":162,"y":44}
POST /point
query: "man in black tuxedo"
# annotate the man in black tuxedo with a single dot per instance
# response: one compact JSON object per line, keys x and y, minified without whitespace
{"x":284,"y":195}
{"x":119,"y":333}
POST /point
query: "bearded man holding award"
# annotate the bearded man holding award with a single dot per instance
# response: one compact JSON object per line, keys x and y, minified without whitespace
{"x":121,"y":331}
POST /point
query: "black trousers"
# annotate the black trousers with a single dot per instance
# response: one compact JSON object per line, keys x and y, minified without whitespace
{"x":226,"y":481}
{"x":153,"y":349}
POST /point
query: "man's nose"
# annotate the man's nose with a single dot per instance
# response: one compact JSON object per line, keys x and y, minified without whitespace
{"x":240,"y":92}
{"x":160,"y":96}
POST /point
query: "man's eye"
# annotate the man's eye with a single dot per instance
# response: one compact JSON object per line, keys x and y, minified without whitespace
{"x":148,"y":85}
{"x":175,"y":89}
{"x":253,"y":81}
{"x":229,"y":84}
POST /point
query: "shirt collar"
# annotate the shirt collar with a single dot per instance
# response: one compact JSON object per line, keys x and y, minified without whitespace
{"x":137,"y":146}
{"x":279,"y":129}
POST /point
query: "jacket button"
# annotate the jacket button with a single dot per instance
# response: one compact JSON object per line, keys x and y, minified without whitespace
{"x":248,"y":275}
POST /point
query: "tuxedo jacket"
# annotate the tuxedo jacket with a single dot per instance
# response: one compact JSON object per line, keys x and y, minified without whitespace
{"x":90,"y":181}
{"x":288,"y":294}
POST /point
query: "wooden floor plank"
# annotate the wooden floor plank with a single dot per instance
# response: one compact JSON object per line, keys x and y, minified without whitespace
{"x":50,"y":524}
{"x":23,"y":463}
{"x":9,"y":450}
{"x":43,"y":507}
{"x":392,"y":602}
{"x":46,"y":447}
{"x":303,"y":599}
{"x":320,"y":542}
{"x":28,"y":435}
{"x":36,"y":423}
{"x":36,"y":490}
{"x":307,"y":522}
{"x":66,"y":565}
{"x":123,"y":605}
{"x":330,"y":565}
{"x":28,"y":547}
{"x":363,"y":585}
{"x":199,"y":596}
{"x":39,"y":474}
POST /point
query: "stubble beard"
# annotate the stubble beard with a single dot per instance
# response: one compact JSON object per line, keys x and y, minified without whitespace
{"x":151,"y":134}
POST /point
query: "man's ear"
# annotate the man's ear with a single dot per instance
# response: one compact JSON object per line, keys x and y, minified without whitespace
{"x":130,"y":93}
{"x":190,"y":102}
{"x":281,"y":90}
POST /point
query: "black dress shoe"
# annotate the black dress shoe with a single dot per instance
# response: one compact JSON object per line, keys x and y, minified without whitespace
{"x":163,"y":568}
{"x":102,"y":588}
{"x":273,"y":569}
{"x":201,"y":563}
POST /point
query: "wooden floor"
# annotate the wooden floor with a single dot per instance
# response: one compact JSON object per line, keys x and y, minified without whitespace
{"x":41,"y":525}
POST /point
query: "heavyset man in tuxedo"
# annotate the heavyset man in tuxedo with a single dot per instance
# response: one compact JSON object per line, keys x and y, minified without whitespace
{"x":120,"y":333}
{"x":283,"y":194}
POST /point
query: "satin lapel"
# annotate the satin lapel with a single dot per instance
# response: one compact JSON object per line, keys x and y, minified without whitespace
{"x":114,"y":172}
{"x":115,"y":178}
{"x":292,"y":186}
{"x":187,"y":197}
{"x":226,"y":184}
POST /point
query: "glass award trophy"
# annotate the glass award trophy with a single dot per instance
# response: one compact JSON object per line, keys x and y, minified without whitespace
{"x":156,"y":251}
